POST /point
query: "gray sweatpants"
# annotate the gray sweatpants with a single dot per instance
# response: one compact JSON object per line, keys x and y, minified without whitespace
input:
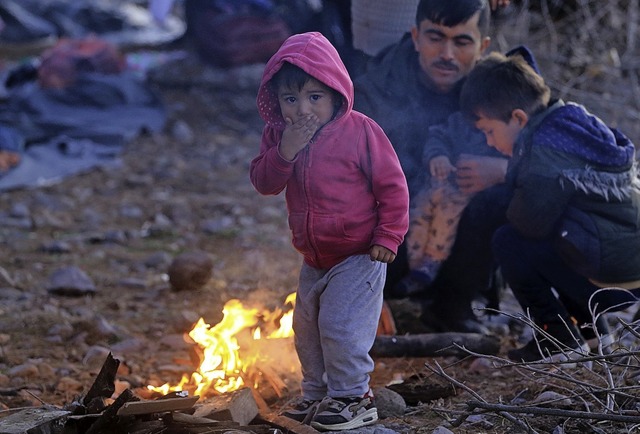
{"x":335,"y":320}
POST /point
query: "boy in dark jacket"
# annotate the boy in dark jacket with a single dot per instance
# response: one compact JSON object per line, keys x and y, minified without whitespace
{"x":348,"y":202}
{"x":574,"y":218}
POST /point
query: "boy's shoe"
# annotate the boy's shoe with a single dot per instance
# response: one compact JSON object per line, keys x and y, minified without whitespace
{"x":438,"y":321}
{"x":336,"y":414}
{"x":564,"y":342}
{"x":603,"y":335}
{"x":301,"y":410}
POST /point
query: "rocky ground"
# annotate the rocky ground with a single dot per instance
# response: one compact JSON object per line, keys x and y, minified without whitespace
{"x":187,"y":190}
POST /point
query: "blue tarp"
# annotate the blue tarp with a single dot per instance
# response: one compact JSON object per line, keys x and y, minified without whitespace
{"x":71,"y":130}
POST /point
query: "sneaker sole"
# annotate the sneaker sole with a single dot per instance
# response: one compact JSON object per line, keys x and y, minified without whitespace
{"x":607,"y":342}
{"x":567,"y":356}
{"x":369,"y":417}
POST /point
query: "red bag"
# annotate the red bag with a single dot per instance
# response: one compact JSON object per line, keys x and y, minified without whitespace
{"x":225,"y":39}
{"x":61,"y":63}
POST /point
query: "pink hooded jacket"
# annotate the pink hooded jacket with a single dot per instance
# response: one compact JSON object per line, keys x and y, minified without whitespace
{"x":345,"y":190}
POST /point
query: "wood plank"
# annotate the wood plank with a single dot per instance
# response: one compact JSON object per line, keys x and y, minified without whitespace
{"x":41,"y":420}
{"x":434,"y":345}
{"x":157,"y":406}
{"x":239,"y":406}
{"x":286,"y":424}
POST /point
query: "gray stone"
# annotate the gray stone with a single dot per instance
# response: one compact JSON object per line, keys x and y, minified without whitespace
{"x":389,"y":403}
{"x":442,"y":430}
{"x":71,"y":281}
{"x":190,"y":271}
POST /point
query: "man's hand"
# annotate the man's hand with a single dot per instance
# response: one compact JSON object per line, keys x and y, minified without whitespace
{"x":382,"y":254}
{"x":498,"y":3}
{"x":296,"y":135}
{"x":440,"y":167}
{"x":476,"y":173}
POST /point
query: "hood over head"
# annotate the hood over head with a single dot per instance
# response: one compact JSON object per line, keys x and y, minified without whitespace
{"x":608,"y":155}
{"x":314,"y":54}
{"x":574,"y":130}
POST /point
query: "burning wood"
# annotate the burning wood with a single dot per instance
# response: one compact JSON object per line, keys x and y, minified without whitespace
{"x":157,"y":406}
{"x":176,"y":413}
{"x":245,"y":352}
{"x":245,"y":349}
{"x":238,"y":406}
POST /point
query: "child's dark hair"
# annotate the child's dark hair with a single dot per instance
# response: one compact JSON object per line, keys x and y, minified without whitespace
{"x":498,"y":85}
{"x":294,"y":77}
{"x":451,"y":13}
{"x":290,"y":76}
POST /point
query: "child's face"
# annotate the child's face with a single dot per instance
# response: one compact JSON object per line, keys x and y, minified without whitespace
{"x":314,"y":98}
{"x":501,"y":135}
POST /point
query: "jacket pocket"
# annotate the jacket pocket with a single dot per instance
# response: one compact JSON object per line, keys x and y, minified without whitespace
{"x":329,"y":234}
{"x":298,"y":227}
{"x":578,"y":242}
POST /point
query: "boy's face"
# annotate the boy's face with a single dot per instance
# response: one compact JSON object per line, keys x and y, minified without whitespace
{"x":501,"y":135}
{"x":314,"y":98}
{"x":447,"y":54}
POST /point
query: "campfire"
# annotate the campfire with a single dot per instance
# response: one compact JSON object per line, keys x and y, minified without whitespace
{"x":247,"y":347}
{"x":244,"y":364}
{"x":248,"y":350}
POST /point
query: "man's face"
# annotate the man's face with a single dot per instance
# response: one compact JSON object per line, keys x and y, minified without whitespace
{"x":447,"y":54}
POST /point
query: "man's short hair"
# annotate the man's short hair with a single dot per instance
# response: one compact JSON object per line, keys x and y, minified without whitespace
{"x":450,"y":13}
{"x":498,"y":85}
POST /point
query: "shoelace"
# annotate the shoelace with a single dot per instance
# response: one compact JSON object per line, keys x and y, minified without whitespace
{"x":337,"y":405}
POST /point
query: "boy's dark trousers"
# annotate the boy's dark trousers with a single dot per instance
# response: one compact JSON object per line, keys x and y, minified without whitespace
{"x":532,"y":267}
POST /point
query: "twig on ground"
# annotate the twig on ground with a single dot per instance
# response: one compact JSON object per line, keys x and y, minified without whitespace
{"x":555,"y":412}
{"x":599,"y":381}
{"x":439,"y":371}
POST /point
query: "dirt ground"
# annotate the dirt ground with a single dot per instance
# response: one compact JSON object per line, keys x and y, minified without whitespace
{"x":186,"y":190}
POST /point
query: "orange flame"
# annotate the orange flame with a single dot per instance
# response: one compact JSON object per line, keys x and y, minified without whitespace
{"x":223,"y":367}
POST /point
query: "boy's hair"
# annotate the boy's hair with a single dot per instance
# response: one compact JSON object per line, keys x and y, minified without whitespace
{"x":453,"y":12}
{"x":498,"y":85}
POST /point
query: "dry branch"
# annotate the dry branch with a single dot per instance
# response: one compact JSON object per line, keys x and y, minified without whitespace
{"x":439,"y":371}
{"x":434,"y":345}
{"x":554,"y":412}
{"x":591,"y":378}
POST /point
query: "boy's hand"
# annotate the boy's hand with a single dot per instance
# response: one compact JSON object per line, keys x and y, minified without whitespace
{"x":440,"y":167}
{"x":8,"y":160}
{"x":296,"y":135}
{"x":476,"y":173}
{"x":382,"y":254}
